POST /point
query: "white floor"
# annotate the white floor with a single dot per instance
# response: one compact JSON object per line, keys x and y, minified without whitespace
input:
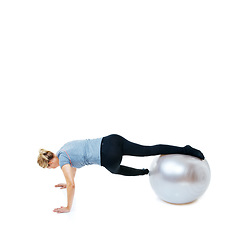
{"x":152,"y":71}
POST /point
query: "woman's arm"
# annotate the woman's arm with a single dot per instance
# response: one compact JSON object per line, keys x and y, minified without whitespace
{"x":64,"y":185}
{"x":69,"y":174}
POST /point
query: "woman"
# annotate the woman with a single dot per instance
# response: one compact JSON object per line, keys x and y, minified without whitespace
{"x":107,"y":152}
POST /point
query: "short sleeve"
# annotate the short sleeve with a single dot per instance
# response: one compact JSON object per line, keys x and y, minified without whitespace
{"x":63,"y":160}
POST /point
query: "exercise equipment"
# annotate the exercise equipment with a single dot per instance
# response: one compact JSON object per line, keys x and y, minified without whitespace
{"x":179,"y":179}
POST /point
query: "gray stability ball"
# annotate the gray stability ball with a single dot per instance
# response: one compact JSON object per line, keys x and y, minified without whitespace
{"x":178,"y":178}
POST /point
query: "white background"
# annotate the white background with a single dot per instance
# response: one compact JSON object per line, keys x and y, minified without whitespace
{"x":152,"y":71}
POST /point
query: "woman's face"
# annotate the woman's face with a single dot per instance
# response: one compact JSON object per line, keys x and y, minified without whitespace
{"x":53,"y":163}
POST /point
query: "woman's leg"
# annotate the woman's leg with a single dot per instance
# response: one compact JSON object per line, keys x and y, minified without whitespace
{"x":128,"y":171}
{"x":111,"y":157}
{"x":133,"y":149}
{"x":115,"y":146}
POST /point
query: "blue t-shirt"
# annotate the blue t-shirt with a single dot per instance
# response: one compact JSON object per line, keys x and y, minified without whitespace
{"x":79,"y":153}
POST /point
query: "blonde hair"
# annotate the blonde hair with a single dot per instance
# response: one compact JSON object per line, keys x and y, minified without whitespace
{"x":43,"y":158}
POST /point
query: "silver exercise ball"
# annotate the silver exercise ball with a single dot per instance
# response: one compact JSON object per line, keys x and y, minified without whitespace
{"x":178,"y":178}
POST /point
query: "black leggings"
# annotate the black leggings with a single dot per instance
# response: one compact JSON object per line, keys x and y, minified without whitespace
{"x":114,"y":147}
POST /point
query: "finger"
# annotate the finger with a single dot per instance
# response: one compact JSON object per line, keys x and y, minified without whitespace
{"x":59,"y":185}
{"x":56,"y":209}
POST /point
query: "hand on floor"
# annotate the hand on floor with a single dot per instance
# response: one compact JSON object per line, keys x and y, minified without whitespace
{"x":61,"y":185}
{"x":61,"y":210}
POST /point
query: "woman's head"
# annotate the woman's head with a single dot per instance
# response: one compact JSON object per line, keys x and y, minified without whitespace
{"x":44,"y":157}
